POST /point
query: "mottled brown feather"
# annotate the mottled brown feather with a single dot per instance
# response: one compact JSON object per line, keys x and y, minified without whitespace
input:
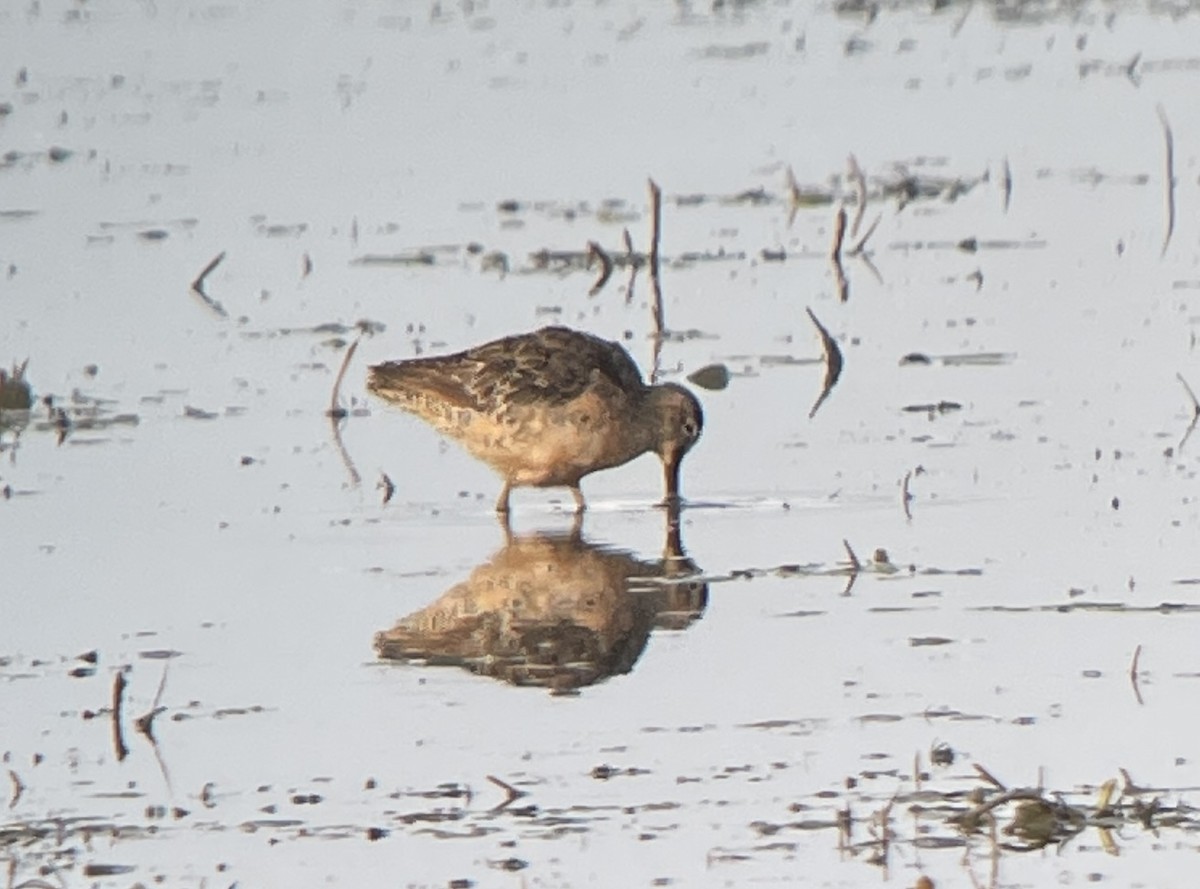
{"x":551,"y":366}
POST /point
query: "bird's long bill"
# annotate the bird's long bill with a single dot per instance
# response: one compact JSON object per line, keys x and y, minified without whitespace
{"x":671,"y":477}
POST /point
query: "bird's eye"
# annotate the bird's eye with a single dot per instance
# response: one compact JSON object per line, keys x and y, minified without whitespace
{"x":689,"y":429}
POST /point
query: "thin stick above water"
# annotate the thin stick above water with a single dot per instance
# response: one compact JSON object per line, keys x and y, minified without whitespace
{"x":839,"y":234}
{"x":655,"y":228}
{"x":511,"y":793}
{"x":145,"y":722}
{"x":835,"y":253}
{"x":1195,"y":412}
{"x":198,"y":285}
{"x":656,"y":302}
{"x":18,"y":788}
{"x":1133,"y":674}
{"x":606,"y":266}
{"x":1169,"y":141}
{"x":633,"y":265}
{"x":1006,"y":184}
{"x":118,"y":693}
{"x":335,"y":409}
{"x":860,"y":194}
{"x":337,"y":413}
{"x":833,"y":362}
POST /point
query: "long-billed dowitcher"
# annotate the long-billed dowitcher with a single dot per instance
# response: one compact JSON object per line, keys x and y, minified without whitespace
{"x":546,"y":408}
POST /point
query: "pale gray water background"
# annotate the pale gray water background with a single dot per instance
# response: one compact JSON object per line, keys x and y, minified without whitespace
{"x":382,"y":129}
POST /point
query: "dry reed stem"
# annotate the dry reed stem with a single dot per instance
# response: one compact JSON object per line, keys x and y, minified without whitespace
{"x":835,"y":254}
{"x":1169,"y":159}
{"x":198,"y":285}
{"x":989,"y":777}
{"x":1104,"y":796}
{"x":1195,"y":412}
{"x":860,"y":193}
{"x":388,"y":486}
{"x":18,"y":789}
{"x":1191,"y":394}
{"x":839,"y":233}
{"x":1133,"y":675}
{"x":145,"y":722}
{"x":833,"y":363}
{"x":512,"y":793}
{"x":337,"y":413}
{"x":118,"y":693}
{"x":655,"y":232}
{"x":606,"y":266}
{"x":861,"y":243}
{"x":335,"y":410}
{"x":794,"y":196}
{"x":633,"y":265}
{"x":855,"y":564}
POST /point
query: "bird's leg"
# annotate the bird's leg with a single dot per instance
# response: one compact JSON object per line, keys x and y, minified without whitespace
{"x":502,"y":500}
{"x":580,"y":506}
{"x":577,"y":528}
{"x":506,"y":527}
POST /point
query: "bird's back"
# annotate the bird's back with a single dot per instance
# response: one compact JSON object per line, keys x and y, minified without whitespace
{"x":548,"y":367}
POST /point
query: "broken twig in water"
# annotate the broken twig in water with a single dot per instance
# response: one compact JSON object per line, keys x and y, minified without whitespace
{"x":833,"y":363}
{"x":853,"y":568}
{"x":145,"y":726}
{"x":389,"y":488}
{"x":118,"y":734}
{"x":835,"y":254}
{"x":351,"y":469}
{"x":794,"y":196}
{"x":198,"y":285}
{"x":513,"y":794}
{"x":861,"y":243}
{"x":1191,"y":395}
{"x":606,"y":266}
{"x":990,"y":778}
{"x":633,"y":265}
{"x":336,"y":411}
{"x":906,"y":495}
{"x":655,"y":230}
{"x":855,"y":564}
{"x":1195,"y":411}
{"x":145,"y":722}
{"x":1006,"y":183}
{"x":856,"y":176}
{"x":656,"y":304}
{"x":18,"y":789}
{"x":839,"y":233}
{"x":1170,"y":177}
{"x":1133,"y":675}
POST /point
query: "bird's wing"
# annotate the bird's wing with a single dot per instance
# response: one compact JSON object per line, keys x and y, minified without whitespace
{"x":550,"y":366}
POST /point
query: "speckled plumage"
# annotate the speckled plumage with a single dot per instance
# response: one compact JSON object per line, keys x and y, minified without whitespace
{"x":546,"y":408}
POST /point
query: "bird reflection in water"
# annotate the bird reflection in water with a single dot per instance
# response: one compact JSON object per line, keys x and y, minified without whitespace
{"x":553,"y":610}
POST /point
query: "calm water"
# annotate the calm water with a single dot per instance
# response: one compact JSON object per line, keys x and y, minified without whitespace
{"x":201,"y":532}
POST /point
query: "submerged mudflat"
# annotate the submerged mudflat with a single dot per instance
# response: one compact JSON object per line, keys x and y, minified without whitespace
{"x":929,"y":614}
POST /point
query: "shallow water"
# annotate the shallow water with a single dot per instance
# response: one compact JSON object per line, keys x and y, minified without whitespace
{"x":440,"y":171}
